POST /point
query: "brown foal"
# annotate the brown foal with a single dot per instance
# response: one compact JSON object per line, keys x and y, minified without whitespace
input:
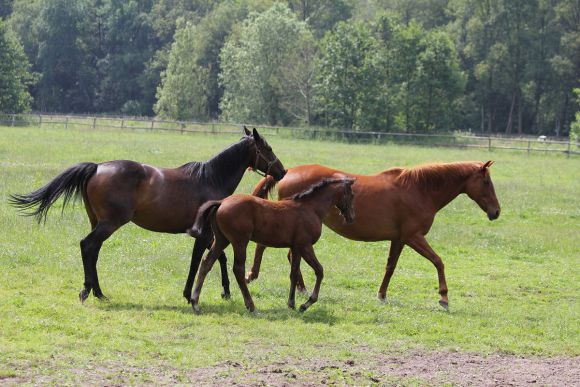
{"x":398,"y":205}
{"x":295,"y":223}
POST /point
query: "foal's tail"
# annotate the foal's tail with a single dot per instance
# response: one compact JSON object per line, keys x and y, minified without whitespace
{"x":264,"y":187}
{"x":203,"y":218}
{"x":71,"y":183}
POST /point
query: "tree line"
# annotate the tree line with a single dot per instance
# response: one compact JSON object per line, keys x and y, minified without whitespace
{"x":492,"y":66}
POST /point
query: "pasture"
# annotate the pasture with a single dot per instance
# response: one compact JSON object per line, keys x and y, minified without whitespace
{"x":514,"y":283}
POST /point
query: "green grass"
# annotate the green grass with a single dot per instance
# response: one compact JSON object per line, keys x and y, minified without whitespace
{"x":513,"y":283}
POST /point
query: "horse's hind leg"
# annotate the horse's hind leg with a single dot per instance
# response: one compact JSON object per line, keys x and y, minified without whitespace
{"x":217,"y":249}
{"x":420,"y":245}
{"x":394,"y":254}
{"x":310,"y":258}
{"x":199,"y":247}
{"x":90,"y":247}
{"x":225,"y":279}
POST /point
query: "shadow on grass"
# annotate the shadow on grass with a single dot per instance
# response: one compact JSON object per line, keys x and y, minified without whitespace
{"x":316,"y":314}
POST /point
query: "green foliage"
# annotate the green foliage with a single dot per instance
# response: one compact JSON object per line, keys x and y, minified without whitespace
{"x":253,"y":61}
{"x":14,"y":74}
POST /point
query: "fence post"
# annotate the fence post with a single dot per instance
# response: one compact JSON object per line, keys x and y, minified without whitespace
{"x":94,"y":123}
{"x":182,"y":126}
{"x":489,"y":143}
{"x":152,"y":123}
{"x":40,"y":120}
{"x":529,"y":146}
{"x":66,"y":122}
{"x":569,"y":146}
{"x":13,"y":118}
{"x":123,"y":124}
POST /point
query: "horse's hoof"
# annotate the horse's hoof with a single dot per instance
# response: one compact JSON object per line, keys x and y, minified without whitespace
{"x":444,"y":304}
{"x":303,"y":307}
{"x":83,"y":295}
{"x":226,"y":296}
{"x":249,"y":277}
{"x":291,"y":306}
{"x":195,"y":308}
{"x":382,"y":298}
{"x":251,"y":308}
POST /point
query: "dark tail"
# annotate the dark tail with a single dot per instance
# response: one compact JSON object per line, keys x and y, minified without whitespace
{"x":71,"y":183}
{"x":203,"y":217}
{"x":264,"y":187}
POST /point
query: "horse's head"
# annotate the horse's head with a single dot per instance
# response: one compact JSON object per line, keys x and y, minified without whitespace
{"x":263,"y":157}
{"x":344,"y":204}
{"x":480,"y":189}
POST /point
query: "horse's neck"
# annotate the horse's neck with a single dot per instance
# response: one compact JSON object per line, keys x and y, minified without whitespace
{"x":444,"y":194}
{"x":229,"y":167}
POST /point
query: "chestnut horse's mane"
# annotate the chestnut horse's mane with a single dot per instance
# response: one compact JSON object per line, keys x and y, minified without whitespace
{"x":315,"y":188}
{"x":436,"y":175}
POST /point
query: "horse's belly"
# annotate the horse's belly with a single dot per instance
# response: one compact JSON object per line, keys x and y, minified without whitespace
{"x":363,"y":228}
{"x":160,"y":220}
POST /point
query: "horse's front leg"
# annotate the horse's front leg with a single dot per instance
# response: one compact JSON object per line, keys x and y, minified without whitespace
{"x":254,"y":272}
{"x":199,"y":247}
{"x":420,"y":245}
{"x":394,"y":254}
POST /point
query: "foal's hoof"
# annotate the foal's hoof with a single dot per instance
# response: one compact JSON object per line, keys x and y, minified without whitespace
{"x":83,"y":295}
{"x":226,"y":295}
{"x":444,"y":304}
{"x":249,"y":277}
{"x":303,"y":307}
{"x":195,"y":308}
{"x":101,"y":296}
{"x":382,"y":298}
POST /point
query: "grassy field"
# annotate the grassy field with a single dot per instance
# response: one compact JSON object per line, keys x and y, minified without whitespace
{"x":514,"y":284}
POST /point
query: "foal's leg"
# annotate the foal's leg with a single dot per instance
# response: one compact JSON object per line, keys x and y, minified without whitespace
{"x":239,"y":271}
{"x":254,"y":272}
{"x":310,"y":258}
{"x":394,"y":254}
{"x":294,"y":270}
{"x":217,"y":249}
{"x":420,"y":245}
{"x":299,"y":280}
{"x":90,"y":247}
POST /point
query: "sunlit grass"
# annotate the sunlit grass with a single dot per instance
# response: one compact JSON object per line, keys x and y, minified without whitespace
{"x":513,"y":283}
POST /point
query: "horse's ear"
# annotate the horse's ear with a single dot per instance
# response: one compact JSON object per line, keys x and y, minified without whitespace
{"x":487,"y":164}
{"x":247,"y":131}
{"x":256,"y":135}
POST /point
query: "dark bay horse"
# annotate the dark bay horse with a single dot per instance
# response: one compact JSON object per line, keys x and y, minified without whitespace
{"x":295,"y":223}
{"x":398,"y":205}
{"x":157,"y":199}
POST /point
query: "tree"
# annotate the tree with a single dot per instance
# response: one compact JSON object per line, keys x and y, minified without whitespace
{"x":14,"y":74}
{"x":67,"y":80}
{"x":343,"y":73}
{"x":253,"y":61}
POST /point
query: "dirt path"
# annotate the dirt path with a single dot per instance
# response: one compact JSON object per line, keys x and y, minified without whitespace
{"x":412,"y":367}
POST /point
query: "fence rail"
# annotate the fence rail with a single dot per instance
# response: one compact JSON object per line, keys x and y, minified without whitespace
{"x":94,"y":122}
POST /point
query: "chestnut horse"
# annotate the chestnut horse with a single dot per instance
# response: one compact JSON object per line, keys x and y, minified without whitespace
{"x":157,"y":199}
{"x":398,"y":205}
{"x":295,"y":223}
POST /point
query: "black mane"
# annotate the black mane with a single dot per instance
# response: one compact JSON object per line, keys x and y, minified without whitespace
{"x":221,"y":167}
{"x":316,"y":187}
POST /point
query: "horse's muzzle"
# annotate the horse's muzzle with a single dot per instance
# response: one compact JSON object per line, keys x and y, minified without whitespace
{"x":493,"y":214}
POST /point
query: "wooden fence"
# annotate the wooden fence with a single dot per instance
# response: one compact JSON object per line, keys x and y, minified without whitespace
{"x":526,"y":144}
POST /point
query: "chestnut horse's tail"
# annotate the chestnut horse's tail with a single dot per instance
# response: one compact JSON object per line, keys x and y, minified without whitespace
{"x":203,"y":218}
{"x":71,"y":183}
{"x":264,"y":187}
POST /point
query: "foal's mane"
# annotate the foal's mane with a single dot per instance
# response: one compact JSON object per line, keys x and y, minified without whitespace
{"x":315,"y":188}
{"x":437,"y":174}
